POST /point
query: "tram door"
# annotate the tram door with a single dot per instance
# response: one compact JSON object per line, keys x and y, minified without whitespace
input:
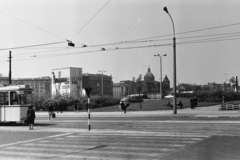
{"x":3,"y":102}
{"x":9,"y":108}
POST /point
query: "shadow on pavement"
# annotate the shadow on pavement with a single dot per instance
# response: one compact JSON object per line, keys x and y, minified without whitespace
{"x":10,"y":124}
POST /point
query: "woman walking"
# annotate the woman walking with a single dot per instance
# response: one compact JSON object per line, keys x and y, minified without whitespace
{"x":30,"y":117}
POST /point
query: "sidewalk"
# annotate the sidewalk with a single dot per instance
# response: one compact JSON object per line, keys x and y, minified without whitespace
{"x":200,"y":112}
{"x":211,"y":111}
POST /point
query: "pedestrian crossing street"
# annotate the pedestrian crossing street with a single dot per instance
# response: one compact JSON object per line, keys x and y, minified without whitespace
{"x":93,"y":146}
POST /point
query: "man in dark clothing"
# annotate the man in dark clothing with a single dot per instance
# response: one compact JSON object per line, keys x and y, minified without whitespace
{"x":195,"y":101}
{"x":75,"y":106}
{"x":30,"y":117}
{"x":191,"y":102}
{"x":123,"y":106}
{"x":60,"y":107}
{"x":50,"y":111}
{"x":180,"y":104}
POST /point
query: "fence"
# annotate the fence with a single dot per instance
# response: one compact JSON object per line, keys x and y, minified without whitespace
{"x":229,"y":106}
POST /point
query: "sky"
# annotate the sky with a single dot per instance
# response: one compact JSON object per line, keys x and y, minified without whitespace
{"x":131,"y":33}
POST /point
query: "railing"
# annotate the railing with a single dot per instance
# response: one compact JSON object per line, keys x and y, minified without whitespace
{"x":223,"y":107}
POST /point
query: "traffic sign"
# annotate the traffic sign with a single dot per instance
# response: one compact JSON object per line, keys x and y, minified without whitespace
{"x":88,"y":91}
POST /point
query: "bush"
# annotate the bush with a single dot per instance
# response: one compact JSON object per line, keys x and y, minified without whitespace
{"x":213,"y":96}
{"x":103,"y":101}
{"x":135,"y":99}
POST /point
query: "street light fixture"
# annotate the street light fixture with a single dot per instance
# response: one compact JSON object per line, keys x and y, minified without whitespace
{"x":102,"y":78}
{"x":160,"y":73}
{"x":174,"y":65}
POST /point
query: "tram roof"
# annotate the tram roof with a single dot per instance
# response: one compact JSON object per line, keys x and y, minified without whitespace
{"x":15,"y":88}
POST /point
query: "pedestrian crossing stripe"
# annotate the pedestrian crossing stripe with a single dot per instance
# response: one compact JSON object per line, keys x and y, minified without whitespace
{"x":119,"y":147}
{"x":78,"y":146}
{"x":31,"y":140}
{"x":113,"y":143}
{"x":83,"y":151}
{"x":50,"y":155}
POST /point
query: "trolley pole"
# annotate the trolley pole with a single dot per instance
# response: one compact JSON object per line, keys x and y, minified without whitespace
{"x":88,"y":92}
{"x":10,"y":68}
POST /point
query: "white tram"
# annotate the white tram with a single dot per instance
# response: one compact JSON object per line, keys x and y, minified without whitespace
{"x":14,"y":103}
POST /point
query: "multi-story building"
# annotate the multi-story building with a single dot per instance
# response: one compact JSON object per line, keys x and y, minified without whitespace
{"x":67,"y":80}
{"x":95,"y":81}
{"x":41,"y":85}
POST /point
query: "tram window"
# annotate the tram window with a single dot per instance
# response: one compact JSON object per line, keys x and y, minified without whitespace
{"x":14,"y":98}
{"x":6,"y":98}
{"x":25,"y":99}
{"x":1,"y":98}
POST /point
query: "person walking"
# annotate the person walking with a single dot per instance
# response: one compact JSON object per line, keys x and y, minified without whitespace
{"x":30,"y":117}
{"x":60,"y":107}
{"x":191,"y":102}
{"x":75,"y":106}
{"x":180,"y":104}
{"x":123,"y":107}
{"x":50,"y":111}
{"x":195,"y":101}
{"x":223,"y":99}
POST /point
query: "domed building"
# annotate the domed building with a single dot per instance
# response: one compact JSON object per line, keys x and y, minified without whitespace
{"x":152,"y":87}
{"x":149,"y":77}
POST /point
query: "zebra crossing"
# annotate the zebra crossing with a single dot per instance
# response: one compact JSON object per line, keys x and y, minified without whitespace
{"x":93,"y":146}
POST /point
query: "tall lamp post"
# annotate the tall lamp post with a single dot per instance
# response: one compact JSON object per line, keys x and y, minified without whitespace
{"x":102,"y":78}
{"x":174,"y":66}
{"x":160,"y":73}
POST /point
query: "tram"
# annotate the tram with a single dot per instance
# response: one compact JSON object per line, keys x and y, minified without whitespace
{"x":14,"y":103}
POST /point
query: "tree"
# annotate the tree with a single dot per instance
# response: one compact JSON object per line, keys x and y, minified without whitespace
{"x":138,"y":85}
{"x":233,"y":81}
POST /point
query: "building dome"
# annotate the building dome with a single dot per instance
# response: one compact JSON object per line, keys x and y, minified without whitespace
{"x":149,"y":77}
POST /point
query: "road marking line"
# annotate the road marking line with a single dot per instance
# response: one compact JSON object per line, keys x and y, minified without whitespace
{"x":50,"y":155}
{"x":116,"y":151}
{"x":37,"y":139}
{"x":117,"y":146}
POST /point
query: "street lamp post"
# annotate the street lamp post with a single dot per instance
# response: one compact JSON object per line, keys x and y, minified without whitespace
{"x":174,"y":66}
{"x":102,"y":78}
{"x":161,"y":93}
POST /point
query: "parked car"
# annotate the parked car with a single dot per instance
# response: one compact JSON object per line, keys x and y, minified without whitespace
{"x":169,"y":96}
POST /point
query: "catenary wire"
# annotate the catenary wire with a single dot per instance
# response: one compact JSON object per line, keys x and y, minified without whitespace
{"x":32,"y":25}
{"x":192,"y":31}
{"x":138,"y":47}
{"x":90,"y":20}
{"x":151,"y":40}
{"x":184,"y":42}
{"x":32,"y":46}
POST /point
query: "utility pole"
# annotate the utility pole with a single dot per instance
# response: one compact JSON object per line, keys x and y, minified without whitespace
{"x":10,"y":68}
{"x":102,"y":78}
{"x":225,"y":76}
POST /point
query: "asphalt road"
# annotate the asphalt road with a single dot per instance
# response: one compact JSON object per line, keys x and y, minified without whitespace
{"x":125,"y":138}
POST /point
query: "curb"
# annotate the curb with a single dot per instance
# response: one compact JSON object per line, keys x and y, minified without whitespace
{"x":216,"y":116}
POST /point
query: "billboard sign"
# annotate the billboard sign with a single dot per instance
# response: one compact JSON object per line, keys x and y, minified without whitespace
{"x":67,"y":80}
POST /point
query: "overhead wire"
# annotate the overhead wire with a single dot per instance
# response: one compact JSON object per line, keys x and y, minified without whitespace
{"x":145,"y":46}
{"x":21,"y":54}
{"x":90,"y":20}
{"x":192,"y":31}
{"x":155,"y":45}
{"x":152,"y":40}
{"x":64,"y":54}
{"x":46,"y":44}
{"x":31,"y":25}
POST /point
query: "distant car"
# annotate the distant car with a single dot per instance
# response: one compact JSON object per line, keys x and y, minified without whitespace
{"x":169,"y":96}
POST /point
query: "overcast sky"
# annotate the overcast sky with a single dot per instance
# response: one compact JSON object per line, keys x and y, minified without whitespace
{"x":128,"y":31}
